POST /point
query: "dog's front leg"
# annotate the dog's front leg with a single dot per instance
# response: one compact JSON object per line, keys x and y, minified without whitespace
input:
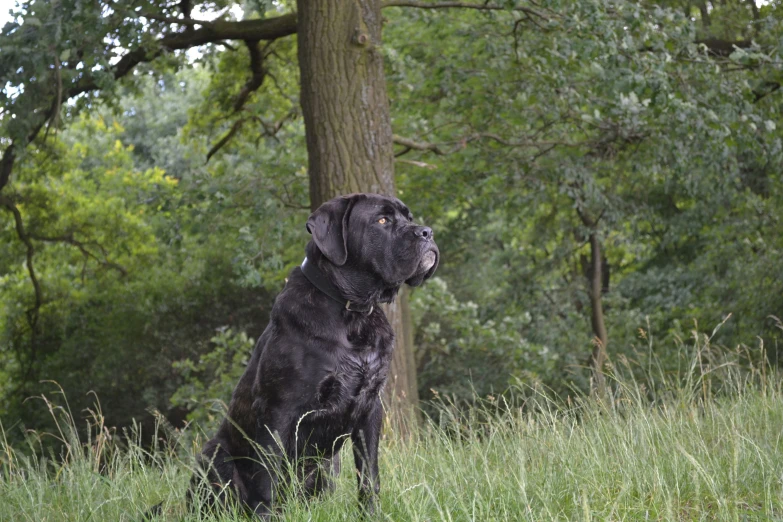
{"x":267,"y":471}
{"x":365,"y":438}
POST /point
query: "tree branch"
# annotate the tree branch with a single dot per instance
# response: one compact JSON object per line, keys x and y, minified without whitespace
{"x":70,"y":240}
{"x":270,"y":130}
{"x":226,"y":138}
{"x":525,"y":143}
{"x":588,"y":221}
{"x":759,"y":95}
{"x":190,"y":22}
{"x":210,"y":32}
{"x":718,"y":47}
{"x":410,"y":144}
{"x":437,"y":148}
{"x":6,"y":165}
{"x":248,"y":30}
{"x":286,"y":202}
{"x":257,"y":77}
{"x":20,"y":231}
{"x":415,"y":163}
{"x":419,"y":4}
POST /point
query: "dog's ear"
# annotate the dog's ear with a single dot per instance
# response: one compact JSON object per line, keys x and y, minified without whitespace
{"x":329,"y":227}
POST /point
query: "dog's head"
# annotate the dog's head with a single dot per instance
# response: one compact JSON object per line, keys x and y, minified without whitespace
{"x":374,"y":234}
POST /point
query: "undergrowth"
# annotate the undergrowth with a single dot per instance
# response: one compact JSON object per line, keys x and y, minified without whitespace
{"x":702,"y":443}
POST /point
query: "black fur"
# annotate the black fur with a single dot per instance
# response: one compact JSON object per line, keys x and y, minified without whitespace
{"x":319,"y":367}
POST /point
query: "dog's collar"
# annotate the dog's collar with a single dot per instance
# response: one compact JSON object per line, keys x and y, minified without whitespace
{"x":319,"y":280}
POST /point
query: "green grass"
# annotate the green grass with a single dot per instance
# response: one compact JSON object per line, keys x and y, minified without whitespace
{"x":710,"y":450}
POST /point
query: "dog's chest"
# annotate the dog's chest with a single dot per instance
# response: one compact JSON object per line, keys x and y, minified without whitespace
{"x":361,"y":369}
{"x":365,"y":364}
{"x":349,"y":390}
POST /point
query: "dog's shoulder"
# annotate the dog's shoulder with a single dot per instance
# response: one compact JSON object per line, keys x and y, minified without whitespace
{"x":301,"y":304}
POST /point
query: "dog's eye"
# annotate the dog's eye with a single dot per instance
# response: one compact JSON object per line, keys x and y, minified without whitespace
{"x":383,"y":221}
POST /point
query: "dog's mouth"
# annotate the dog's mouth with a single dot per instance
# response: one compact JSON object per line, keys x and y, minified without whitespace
{"x":427,"y":260}
{"x":425,"y":268}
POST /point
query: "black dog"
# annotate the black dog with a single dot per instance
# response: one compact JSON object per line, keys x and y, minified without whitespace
{"x":317,"y":371}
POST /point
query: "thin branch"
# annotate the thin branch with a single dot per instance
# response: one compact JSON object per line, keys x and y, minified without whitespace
{"x":457,"y":145}
{"x":70,"y":240}
{"x":54,"y":118}
{"x":526,"y":143}
{"x":22,"y":234}
{"x":421,"y":164}
{"x":718,"y":47}
{"x":286,"y":202}
{"x":461,"y":5}
{"x":419,"y":4}
{"x":271,"y":130}
{"x":410,"y":144}
{"x":542,"y":152}
{"x":759,"y":95}
{"x":226,"y":45}
{"x":190,"y":22}
{"x":277,"y":85}
{"x":403,"y":152}
{"x":558,"y":309}
{"x":589,"y":221}
{"x":226,"y":138}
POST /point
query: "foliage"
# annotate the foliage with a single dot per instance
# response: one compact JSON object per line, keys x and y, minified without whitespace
{"x":521,"y":132}
{"x":165,"y":270}
{"x":212,"y":377}
{"x":609,"y":113}
{"x":461,"y":356}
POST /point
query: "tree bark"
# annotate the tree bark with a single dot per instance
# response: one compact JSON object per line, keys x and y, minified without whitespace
{"x":349,"y":137}
{"x":601,"y":336}
{"x":596,"y":283}
{"x":705,"y":14}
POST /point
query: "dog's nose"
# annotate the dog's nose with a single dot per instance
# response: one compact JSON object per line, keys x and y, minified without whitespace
{"x":424,"y":232}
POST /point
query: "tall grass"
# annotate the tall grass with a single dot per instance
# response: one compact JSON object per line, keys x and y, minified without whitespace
{"x":702,"y":444}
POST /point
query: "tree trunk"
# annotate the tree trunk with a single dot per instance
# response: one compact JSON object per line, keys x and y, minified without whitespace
{"x":597,"y":283}
{"x":349,"y":136}
{"x":705,"y":14}
{"x":597,"y":317}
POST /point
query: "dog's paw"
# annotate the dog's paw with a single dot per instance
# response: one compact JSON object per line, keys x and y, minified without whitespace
{"x":329,"y":391}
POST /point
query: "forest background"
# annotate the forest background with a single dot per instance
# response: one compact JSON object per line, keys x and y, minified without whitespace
{"x":597,"y":174}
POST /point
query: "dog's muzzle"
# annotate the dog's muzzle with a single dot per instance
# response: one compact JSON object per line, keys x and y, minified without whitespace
{"x":427,"y":260}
